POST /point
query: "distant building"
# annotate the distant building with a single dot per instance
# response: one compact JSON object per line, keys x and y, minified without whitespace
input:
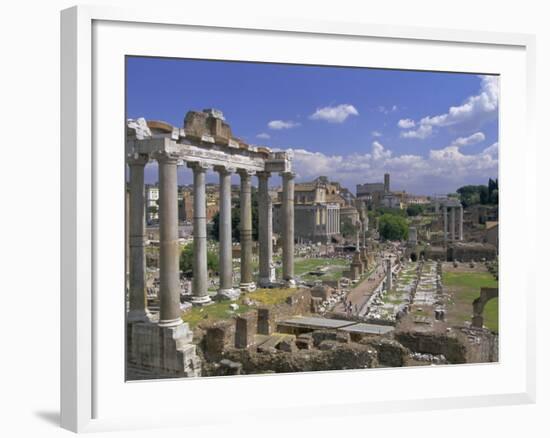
{"x":417,"y":200}
{"x":378,"y":194}
{"x":373,"y":193}
{"x":392,"y":201}
{"x":317,"y":206}
{"x":151,"y":203}
{"x":186,"y":208}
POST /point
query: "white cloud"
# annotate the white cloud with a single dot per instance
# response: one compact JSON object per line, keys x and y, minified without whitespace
{"x":334,"y":114}
{"x":387,"y":110}
{"x":376,"y":134}
{"x":281,"y":124}
{"x":379,"y":152}
{"x":442,"y":171}
{"x":478,"y":137}
{"x":471,"y":114}
{"x":423,"y":131}
{"x":406,"y":123}
{"x":263,"y":135}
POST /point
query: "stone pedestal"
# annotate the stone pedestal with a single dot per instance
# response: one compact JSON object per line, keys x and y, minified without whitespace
{"x":365,"y":257}
{"x":166,"y":351}
{"x":245,"y":329}
{"x":357,"y":263}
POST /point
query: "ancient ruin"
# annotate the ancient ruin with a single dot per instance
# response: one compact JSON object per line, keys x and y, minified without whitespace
{"x":337,"y":294}
{"x":205,"y":142}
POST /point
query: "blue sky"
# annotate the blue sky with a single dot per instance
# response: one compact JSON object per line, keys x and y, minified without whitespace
{"x":432,"y":131}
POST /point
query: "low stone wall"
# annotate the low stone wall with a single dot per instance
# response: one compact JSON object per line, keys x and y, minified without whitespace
{"x":390,"y":352}
{"x":472,"y":251}
{"x":481,"y":344}
{"x":239,"y":331}
{"x":435,"y":253}
{"x":449,"y":345}
{"x":299,"y":303}
{"x":341,"y":356}
{"x":461,"y":345}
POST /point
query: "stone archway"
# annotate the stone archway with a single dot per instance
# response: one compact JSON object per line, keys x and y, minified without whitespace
{"x":486,"y":294}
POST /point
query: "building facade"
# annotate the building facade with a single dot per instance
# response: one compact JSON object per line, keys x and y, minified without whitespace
{"x":317,"y":206}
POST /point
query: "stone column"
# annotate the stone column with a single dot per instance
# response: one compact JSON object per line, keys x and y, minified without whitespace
{"x":453,"y":224}
{"x":445,"y":225}
{"x":226,"y":247}
{"x":137,"y":311}
{"x":288,"y":228}
{"x":200,"y":264}
{"x":461,"y":223}
{"x":169,"y":244}
{"x":389,"y":279}
{"x":247,"y":283}
{"x":265,"y":229}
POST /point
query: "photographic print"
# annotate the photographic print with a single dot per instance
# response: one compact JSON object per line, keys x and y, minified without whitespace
{"x":285,"y":218}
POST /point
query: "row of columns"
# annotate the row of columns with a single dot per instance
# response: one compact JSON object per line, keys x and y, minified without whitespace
{"x":333,"y":221}
{"x":450,"y":231}
{"x":169,"y":242}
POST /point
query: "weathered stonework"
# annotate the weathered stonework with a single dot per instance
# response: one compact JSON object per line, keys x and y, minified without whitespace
{"x":167,"y":351}
{"x":245,"y":329}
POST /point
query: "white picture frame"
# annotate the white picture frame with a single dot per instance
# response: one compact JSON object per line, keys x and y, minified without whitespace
{"x":90,"y":401}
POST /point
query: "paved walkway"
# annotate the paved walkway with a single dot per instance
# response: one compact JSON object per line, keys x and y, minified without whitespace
{"x":362,"y":292}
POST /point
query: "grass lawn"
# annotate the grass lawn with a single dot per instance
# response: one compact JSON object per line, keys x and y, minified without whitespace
{"x":302,"y":266}
{"x":335,"y":268}
{"x":213,"y":312}
{"x":221,"y":310}
{"x":465,"y":289}
{"x":269,"y":296}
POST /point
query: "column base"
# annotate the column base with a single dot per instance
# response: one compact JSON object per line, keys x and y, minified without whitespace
{"x":229,"y":294}
{"x":201,"y":300}
{"x":290,"y":283}
{"x":265,"y":282}
{"x":138,"y":316}
{"x":170,"y":322}
{"x":247,"y":287}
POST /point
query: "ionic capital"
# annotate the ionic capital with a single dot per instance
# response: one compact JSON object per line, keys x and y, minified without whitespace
{"x":288,"y":175}
{"x":246,"y":173}
{"x":225,"y":170}
{"x":198,"y":166}
{"x":136,"y":159}
{"x":164,"y":157}
{"x":263,"y":175}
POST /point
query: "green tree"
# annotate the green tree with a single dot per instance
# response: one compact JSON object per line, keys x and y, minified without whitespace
{"x":394,"y":211}
{"x":348,"y":229}
{"x":393,"y":227}
{"x":186,"y":260}
{"x":469,"y":195}
{"x":414,"y":210}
